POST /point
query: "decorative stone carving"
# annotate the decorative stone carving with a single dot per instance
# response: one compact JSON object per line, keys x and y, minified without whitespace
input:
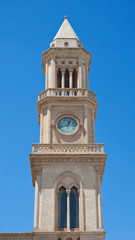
{"x":38,"y":171}
{"x":73,"y":148}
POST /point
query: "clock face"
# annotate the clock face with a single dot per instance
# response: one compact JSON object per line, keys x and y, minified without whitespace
{"x":67,"y":125}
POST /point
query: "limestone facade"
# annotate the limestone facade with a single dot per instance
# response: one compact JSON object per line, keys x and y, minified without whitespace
{"x":62,"y":159}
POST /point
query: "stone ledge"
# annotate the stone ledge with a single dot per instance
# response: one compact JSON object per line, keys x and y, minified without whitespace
{"x":37,"y":161}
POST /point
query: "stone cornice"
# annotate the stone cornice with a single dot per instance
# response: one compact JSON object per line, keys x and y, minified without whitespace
{"x":69,"y":50}
{"x":54,"y":51}
{"x":57,"y":233}
{"x":97,"y":161}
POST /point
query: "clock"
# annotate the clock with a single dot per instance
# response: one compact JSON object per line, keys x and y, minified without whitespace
{"x":67,"y":125}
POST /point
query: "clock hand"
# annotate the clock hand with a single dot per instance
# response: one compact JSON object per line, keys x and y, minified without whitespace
{"x":62,"y":126}
{"x":68,"y":123}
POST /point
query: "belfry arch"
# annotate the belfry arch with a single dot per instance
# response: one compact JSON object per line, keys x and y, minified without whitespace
{"x":59,"y":78}
{"x":74,"y":78}
{"x":67,"y":78}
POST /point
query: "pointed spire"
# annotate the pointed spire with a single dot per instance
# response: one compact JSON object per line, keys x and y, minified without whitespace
{"x":66,"y":31}
{"x":66,"y":37}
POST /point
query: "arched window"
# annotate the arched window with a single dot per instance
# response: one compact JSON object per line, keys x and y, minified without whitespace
{"x":67,"y":79}
{"x":74,"y":79}
{"x":62,"y":206}
{"x":74,"y":208}
{"x":59,"y":78}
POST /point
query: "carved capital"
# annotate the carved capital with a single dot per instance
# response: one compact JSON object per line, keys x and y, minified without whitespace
{"x":78,"y":193}
{"x":38,"y":171}
{"x":67,"y":192}
{"x":98,"y":169}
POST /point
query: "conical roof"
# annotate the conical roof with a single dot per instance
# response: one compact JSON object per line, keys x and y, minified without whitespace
{"x":66,"y":37}
{"x":66,"y":31}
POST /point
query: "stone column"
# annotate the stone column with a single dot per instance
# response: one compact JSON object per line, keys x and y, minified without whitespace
{"x":81,"y":209}
{"x":77,"y":77}
{"x":87,"y":78}
{"x":100,"y":218}
{"x":36,"y":208}
{"x":83,"y":74}
{"x":70,"y":78}
{"x":93,"y":126}
{"x":86,"y":124}
{"x":68,"y":210}
{"x":53,"y":73}
{"x":78,"y":83}
{"x":63,"y":78}
{"x":46,"y":76}
{"x":80,"y":76}
{"x":49,"y":124}
{"x":41,"y":127}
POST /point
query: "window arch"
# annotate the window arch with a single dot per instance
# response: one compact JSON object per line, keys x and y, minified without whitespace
{"x":62,"y":208}
{"x":74,"y":208}
{"x":70,"y":186}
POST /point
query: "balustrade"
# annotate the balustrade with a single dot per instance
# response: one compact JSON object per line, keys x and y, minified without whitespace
{"x":74,"y":148}
{"x":67,"y":92}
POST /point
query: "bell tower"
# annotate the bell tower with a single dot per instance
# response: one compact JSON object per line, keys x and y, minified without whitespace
{"x":67,"y":165}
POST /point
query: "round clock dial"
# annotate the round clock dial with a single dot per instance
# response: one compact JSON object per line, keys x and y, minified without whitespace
{"x":67,"y":125}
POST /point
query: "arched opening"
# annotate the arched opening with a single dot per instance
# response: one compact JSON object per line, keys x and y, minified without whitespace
{"x":74,"y":208}
{"x":62,"y":208}
{"x":74,"y":79}
{"x":59,"y":78}
{"x":68,"y":197}
{"x":67,"y":79}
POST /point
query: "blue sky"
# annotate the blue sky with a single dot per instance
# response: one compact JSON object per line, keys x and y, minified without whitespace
{"x":107,"y":30}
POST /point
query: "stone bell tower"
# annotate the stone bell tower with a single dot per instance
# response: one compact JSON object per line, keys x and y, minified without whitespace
{"x":67,"y":165}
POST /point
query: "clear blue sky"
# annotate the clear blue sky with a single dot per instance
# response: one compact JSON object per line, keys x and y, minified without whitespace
{"x":107,"y":30}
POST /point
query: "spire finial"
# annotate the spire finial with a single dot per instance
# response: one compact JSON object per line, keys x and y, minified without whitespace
{"x":65,"y":16}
